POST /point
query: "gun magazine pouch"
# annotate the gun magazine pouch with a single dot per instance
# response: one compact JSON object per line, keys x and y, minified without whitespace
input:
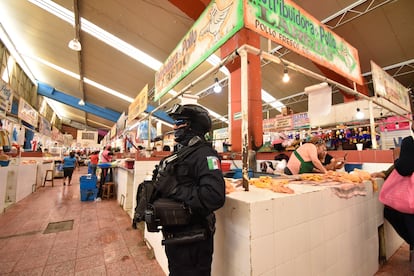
{"x":168,"y":212}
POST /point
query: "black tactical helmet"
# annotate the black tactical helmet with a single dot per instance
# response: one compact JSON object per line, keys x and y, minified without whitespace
{"x":197,"y":116}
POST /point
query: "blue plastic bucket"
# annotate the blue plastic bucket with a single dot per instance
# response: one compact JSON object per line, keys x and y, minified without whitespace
{"x":238,"y":173}
{"x":350,"y":167}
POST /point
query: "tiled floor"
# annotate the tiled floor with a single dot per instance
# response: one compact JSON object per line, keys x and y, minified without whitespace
{"x":398,"y":264}
{"x":101,"y":242}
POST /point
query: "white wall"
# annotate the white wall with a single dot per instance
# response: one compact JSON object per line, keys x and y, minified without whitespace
{"x":345,"y":112}
{"x":90,"y":142}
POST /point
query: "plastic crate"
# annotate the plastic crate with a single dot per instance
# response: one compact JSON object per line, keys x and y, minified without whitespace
{"x":88,"y":194}
{"x":88,"y":181}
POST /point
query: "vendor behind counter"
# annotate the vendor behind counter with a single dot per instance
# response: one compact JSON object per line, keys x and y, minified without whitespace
{"x":305,"y":158}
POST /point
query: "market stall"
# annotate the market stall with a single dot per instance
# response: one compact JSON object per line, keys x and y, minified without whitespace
{"x":326,"y":227}
{"x":313,"y":231}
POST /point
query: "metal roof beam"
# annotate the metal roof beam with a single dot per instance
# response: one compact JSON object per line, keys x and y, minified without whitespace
{"x":50,"y":92}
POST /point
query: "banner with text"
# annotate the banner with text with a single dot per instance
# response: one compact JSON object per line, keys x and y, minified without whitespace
{"x":45,"y":127}
{"x":27,"y":113}
{"x":121,"y":123}
{"x":6,"y":97}
{"x":300,"y":120}
{"x":113,"y":132}
{"x":387,"y":87}
{"x":219,"y":21}
{"x":289,"y":25}
{"x":280,"y":123}
{"x":138,"y":105}
{"x":289,"y":122}
{"x":56,"y":134}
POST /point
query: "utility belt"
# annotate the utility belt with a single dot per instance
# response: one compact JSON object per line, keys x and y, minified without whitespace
{"x":192,"y":233}
{"x":184,"y":237}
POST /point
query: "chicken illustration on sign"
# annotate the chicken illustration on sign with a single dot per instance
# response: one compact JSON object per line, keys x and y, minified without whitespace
{"x":217,"y":18}
{"x":220,"y":21}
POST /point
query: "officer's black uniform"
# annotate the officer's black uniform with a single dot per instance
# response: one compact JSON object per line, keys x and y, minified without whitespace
{"x":200,"y":185}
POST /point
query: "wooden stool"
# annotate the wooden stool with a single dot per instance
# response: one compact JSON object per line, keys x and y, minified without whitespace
{"x":51,"y":177}
{"x":108,"y":190}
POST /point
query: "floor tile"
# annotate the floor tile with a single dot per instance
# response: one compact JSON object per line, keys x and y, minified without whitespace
{"x":63,"y":268}
{"x":89,"y":262}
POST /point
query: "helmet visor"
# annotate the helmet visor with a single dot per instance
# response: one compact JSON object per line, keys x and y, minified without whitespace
{"x":180,"y":122}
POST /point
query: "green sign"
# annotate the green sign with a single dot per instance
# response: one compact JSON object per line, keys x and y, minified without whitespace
{"x":219,"y":21}
{"x":289,"y":25}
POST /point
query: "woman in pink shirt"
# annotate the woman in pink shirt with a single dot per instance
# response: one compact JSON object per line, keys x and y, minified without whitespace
{"x":107,"y":155}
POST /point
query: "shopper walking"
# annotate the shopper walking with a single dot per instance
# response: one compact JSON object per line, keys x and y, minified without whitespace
{"x":69,"y":165}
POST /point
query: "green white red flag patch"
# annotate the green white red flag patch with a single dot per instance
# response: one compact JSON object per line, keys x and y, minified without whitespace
{"x":213,"y":163}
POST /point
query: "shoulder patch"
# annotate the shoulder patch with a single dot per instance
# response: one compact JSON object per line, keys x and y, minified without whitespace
{"x":213,"y":163}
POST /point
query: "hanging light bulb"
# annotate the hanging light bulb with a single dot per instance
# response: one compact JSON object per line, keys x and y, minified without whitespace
{"x":359,"y":114}
{"x":286,"y":77}
{"x":75,"y":45}
{"x":81,"y":102}
{"x":217,"y":87}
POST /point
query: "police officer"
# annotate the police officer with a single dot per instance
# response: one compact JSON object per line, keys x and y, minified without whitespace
{"x":198,"y":182}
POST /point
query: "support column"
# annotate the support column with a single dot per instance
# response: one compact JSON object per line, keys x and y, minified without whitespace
{"x":254,"y":95}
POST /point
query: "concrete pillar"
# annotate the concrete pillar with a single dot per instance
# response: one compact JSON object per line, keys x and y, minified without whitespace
{"x":254,"y":83}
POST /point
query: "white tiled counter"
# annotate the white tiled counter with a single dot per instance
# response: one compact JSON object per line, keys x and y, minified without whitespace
{"x":124,"y":179}
{"x":21,"y":181}
{"x":153,"y":240}
{"x":311,"y":232}
{"x":26,"y":180}
{"x":3,"y":185}
{"x":43,"y":164}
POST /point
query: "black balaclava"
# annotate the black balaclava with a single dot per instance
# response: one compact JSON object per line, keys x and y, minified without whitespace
{"x":183,"y":135}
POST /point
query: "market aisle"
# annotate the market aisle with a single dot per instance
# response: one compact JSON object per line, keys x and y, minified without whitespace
{"x":101,"y":241}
